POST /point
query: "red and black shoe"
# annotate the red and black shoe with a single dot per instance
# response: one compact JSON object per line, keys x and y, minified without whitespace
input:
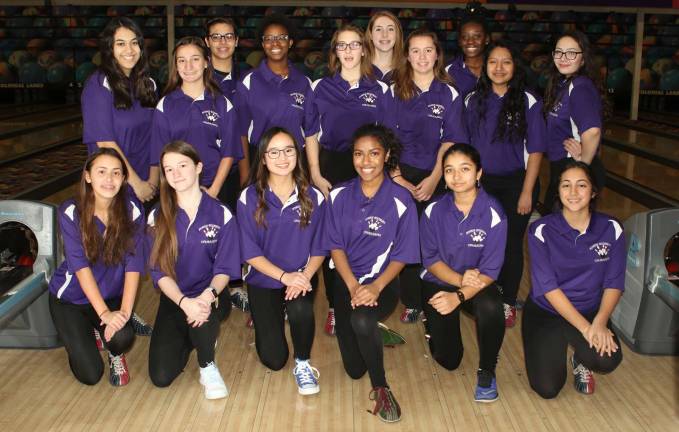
{"x":386,"y":406}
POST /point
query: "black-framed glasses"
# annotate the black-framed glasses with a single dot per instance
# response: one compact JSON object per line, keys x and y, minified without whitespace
{"x":217,"y":37}
{"x":342,"y":46}
{"x":274,"y":38}
{"x":570,"y":55}
{"x":276,"y":153}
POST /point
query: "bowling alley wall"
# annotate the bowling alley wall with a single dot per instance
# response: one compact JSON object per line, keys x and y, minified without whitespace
{"x":54,"y":48}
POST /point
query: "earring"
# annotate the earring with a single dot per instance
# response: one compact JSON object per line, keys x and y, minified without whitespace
{"x":478,"y":184}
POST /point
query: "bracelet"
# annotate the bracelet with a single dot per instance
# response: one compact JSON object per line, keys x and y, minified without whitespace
{"x":180,"y":301}
{"x":397,"y":175}
{"x":460,"y":295}
{"x":102,"y":314}
{"x":280,"y":279}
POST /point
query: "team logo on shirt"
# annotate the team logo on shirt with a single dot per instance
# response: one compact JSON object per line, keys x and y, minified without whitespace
{"x":554,"y":112}
{"x":210,"y":117}
{"x":375,"y":223}
{"x":436,"y":111}
{"x":298,"y":100}
{"x":298,"y":211}
{"x":601,"y":249}
{"x":210,"y":231}
{"x":476,"y":237}
{"x":368,"y":99}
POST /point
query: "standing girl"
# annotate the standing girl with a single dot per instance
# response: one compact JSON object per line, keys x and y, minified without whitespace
{"x":578,"y":274}
{"x":461,"y":265}
{"x":427,"y":117}
{"x":575,"y":103}
{"x":504,"y":123}
{"x":465,"y":69}
{"x":194,"y":253}
{"x":102,"y":231}
{"x":280,"y":216}
{"x":339,"y":104}
{"x":385,"y":44}
{"x":195,"y":111}
{"x":275,"y":93}
{"x":371,"y":231}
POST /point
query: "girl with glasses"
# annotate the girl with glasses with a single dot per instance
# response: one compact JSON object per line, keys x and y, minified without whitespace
{"x":280,"y":216}
{"x":339,"y":104}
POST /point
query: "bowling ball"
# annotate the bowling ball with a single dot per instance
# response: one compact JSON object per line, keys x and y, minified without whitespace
{"x":158,"y":58}
{"x":31,"y":73}
{"x":18,"y":58}
{"x":47,"y":58}
{"x":303,"y":12}
{"x":540,"y":63}
{"x":669,"y":81}
{"x":542,"y":80}
{"x":406,"y":13}
{"x":143,"y":11}
{"x":619,"y":79}
{"x":84,"y":71}
{"x":648,"y":79}
{"x":662,"y":65}
{"x":321,"y":71}
{"x":59,"y":74}
{"x":6,"y":75}
{"x":34,"y":46}
{"x":254,"y":58}
{"x":96,"y":58}
{"x":313,"y":60}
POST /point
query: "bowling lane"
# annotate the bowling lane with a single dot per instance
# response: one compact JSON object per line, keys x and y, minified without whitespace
{"x":15,"y":125}
{"x":660,"y":145}
{"x":38,"y":139}
{"x":647,"y":173}
{"x":12,"y":111}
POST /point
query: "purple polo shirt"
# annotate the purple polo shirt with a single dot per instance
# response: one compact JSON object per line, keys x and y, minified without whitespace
{"x":227,"y":82}
{"x":426,"y":121}
{"x":577,"y":110}
{"x":581,"y":265}
{"x":502,"y":156}
{"x":463,"y":78}
{"x":282,"y":240}
{"x":265,"y":100}
{"x":102,"y":121}
{"x":335,"y":109}
{"x":462,"y":243}
{"x":207,"y":123}
{"x":110,"y":278}
{"x":208,"y":246}
{"x":372,"y":231}
{"x":384,"y":77}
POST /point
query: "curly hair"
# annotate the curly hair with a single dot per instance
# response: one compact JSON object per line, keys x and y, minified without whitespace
{"x":385,"y":137}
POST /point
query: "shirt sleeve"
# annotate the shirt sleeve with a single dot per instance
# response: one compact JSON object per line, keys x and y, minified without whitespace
{"x":312,"y":118}
{"x":543,"y":276}
{"x":585,"y":106}
{"x":244,"y":115}
{"x":317,"y":224}
{"x":406,"y":244}
{"x":428,"y":237}
{"x":307,"y":121}
{"x":452,"y":129}
{"x":536,"y":133}
{"x":493,"y":254}
{"x":614,"y":276}
{"x":154,"y":271}
{"x":227,"y":261}
{"x":161,"y":134}
{"x":97,"y":108}
{"x":249,"y":246}
{"x":384,"y":105}
{"x":228,"y":132}
{"x":135,"y":261}
{"x":74,"y":252}
{"x":332,"y":234}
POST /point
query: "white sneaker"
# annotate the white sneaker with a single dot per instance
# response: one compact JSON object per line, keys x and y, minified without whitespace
{"x":212,"y":380}
{"x":306,"y":377}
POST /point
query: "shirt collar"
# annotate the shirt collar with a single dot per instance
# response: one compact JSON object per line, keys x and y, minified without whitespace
{"x":273,"y":199}
{"x":268,"y":74}
{"x":564,"y":228}
{"x":384,"y":188}
{"x":479,"y":206}
{"x":179,"y":94}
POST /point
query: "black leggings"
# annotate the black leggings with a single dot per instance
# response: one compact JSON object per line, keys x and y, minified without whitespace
{"x":173,"y":339}
{"x":336,"y":167}
{"x":555,"y":169}
{"x":445,"y":342}
{"x":358,"y":335}
{"x":268,"y":307}
{"x":546,"y":337}
{"x":74,"y":323}
{"x":507,"y":190}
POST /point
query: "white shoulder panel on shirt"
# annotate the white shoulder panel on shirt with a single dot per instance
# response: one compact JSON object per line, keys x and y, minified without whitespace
{"x":466,"y":99}
{"x":531,"y":100}
{"x":315,"y":84}
{"x":160,"y":106}
{"x":429,"y":208}
{"x":453,"y":92}
{"x":244,"y":196}
{"x":308,"y":79}
{"x":391,"y":87}
{"x":246,"y":80}
{"x":229,"y":105}
{"x":319,"y":196}
{"x":69,"y":211}
{"x":227,"y":214}
{"x":384,"y":86}
{"x":335,"y":192}
{"x":155,"y":86}
{"x":400,"y":207}
{"x":135,"y":211}
{"x":106,"y":85}
{"x":538,"y":233}
{"x":494,"y":217}
{"x":151,"y":220}
{"x":571,"y":86}
{"x":616,"y":227}
{"x":448,"y":68}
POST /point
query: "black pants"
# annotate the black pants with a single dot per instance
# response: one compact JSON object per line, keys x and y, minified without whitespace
{"x":555,"y":170}
{"x":336,"y":167}
{"x":445,"y":342}
{"x":546,"y":337}
{"x":173,"y":339}
{"x":358,"y":336}
{"x":507,"y":190}
{"x":74,"y":323}
{"x":230,"y":190}
{"x":268,"y":308}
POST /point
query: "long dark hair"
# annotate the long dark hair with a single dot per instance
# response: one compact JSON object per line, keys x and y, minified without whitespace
{"x":299,"y":175}
{"x":588,"y":69}
{"x":139,"y":84}
{"x":511,"y":122}
{"x":385,"y":137}
{"x":404,"y":86}
{"x":174,"y":81}
{"x":165,"y":246}
{"x":118,"y":239}
{"x":570,"y":164}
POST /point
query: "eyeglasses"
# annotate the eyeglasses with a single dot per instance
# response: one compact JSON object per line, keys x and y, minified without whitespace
{"x":276,"y":153}
{"x":274,"y":38}
{"x":570,"y":55}
{"x":342,"y":46}
{"x":217,"y":37}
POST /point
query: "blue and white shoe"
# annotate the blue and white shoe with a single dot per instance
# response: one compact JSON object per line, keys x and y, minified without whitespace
{"x":306,"y":377}
{"x":486,"y":387}
{"x":239,"y":299}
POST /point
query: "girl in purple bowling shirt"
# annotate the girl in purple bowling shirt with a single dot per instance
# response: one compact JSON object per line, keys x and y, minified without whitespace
{"x":118,"y":100}
{"x":578,"y":273}
{"x":426,"y":115}
{"x":575,"y":104}
{"x":103,"y":249}
{"x":371,"y":231}
{"x":194,"y":253}
{"x":462,"y":237}
{"x":339,"y":104}
{"x":385,"y":43}
{"x":466,"y":68}
{"x":505,"y":124}
{"x":280,"y":217}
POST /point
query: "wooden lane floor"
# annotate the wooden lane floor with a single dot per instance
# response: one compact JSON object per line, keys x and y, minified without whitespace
{"x":14,"y":125}
{"x":29,"y":142}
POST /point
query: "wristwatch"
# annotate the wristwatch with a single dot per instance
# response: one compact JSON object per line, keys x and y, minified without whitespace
{"x":460,"y":295}
{"x":215,"y":294}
